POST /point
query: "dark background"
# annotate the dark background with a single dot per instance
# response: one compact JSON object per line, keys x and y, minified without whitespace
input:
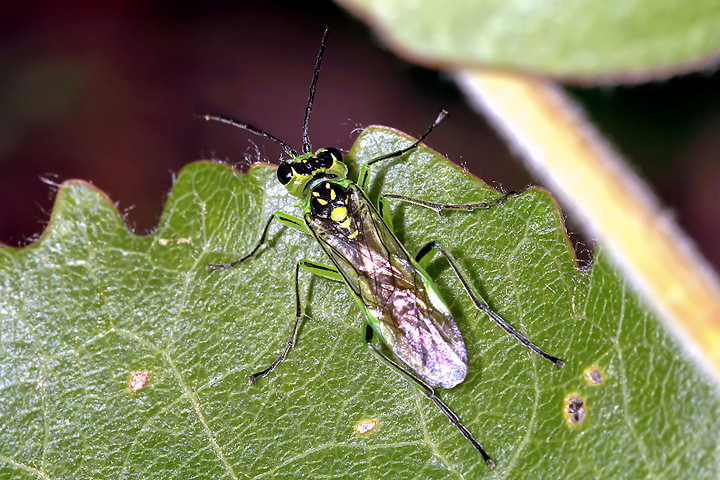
{"x":108,"y":94}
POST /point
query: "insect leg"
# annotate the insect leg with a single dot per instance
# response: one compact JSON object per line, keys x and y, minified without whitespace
{"x":293,"y":334}
{"x":365,"y":170}
{"x":384,"y":211}
{"x":438,"y":207}
{"x":320,"y":269}
{"x":283,"y":218}
{"x":423,"y":258}
{"x":429,"y":392}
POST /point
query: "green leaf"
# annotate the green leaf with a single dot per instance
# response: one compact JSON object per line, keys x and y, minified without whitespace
{"x":90,"y":303}
{"x":579,"y":40}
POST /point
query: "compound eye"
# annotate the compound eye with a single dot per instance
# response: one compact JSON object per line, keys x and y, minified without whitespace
{"x":285,"y":173}
{"x":327,"y":156}
{"x":335,"y":153}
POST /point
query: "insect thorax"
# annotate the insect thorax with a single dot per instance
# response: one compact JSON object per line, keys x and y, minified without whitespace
{"x":328,"y":199}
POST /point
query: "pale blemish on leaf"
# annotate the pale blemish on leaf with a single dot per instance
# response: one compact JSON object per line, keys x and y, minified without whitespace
{"x":138,"y":380}
{"x":167,"y":241}
{"x":366,"y":426}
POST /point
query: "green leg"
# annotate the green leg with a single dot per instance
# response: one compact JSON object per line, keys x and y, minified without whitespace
{"x":293,"y":335}
{"x":284,"y":218}
{"x":423,"y":257}
{"x":325,"y":271}
{"x":365,"y":170}
{"x":384,"y":211}
{"x":321,"y":270}
{"x":438,"y":207}
{"x":429,"y":392}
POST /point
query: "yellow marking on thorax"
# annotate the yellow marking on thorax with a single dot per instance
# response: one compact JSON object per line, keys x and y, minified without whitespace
{"x":339,"y":214}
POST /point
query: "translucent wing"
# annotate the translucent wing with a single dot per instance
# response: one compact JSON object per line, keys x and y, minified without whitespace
{"x":400,"y":301}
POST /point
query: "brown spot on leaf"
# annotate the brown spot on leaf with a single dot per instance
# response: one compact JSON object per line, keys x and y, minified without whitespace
{"x":575,"y":411}
{"x":594,"y":376}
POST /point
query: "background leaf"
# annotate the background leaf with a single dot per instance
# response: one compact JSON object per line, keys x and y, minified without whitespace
{"x":579,"y":40}
{"x":90,"y":303}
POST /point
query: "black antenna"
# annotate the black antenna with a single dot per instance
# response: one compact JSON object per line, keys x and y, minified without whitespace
{"x":306,"y":137}
{"x":229,"y":121}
